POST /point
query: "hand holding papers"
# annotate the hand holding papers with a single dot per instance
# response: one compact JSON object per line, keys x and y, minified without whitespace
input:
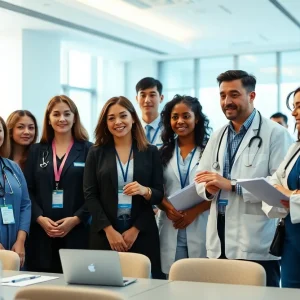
{"x":25,"y":279}
{"x":263,"y":190}
{"x":185,"y":198}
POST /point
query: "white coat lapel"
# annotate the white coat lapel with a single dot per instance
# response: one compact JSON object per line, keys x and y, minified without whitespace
{"x":290,"y":166}
{"x":194,"y":165}
{"x":173,"y":163}
{"x":251,"y":132}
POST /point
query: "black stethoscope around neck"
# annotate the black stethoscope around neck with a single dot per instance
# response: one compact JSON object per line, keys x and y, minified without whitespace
{"x":288,"y":163}
{"x":216,"y":164}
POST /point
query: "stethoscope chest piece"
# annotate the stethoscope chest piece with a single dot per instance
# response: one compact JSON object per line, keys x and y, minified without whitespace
{"x":216,"y":165}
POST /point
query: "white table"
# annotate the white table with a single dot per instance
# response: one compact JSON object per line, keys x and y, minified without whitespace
{"x":133,"y":289}
{"x":181,"y":290}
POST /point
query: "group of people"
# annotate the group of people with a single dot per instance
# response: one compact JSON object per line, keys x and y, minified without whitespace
{"x":77,"y":195}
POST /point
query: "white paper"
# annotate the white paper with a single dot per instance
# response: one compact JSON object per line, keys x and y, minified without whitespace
{"x":185,"y":198}
{"x":263,"y":190}
{"x":7,"y":280}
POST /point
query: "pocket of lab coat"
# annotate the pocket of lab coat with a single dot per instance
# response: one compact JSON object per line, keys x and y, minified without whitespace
{"x":257,"y":232}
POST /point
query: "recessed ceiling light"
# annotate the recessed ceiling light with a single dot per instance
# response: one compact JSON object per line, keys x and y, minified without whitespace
{"x":143,"y":18}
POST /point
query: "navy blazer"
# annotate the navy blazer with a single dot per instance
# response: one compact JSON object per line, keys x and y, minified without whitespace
{"x":101,"y":194}
{"x":41,"y":183}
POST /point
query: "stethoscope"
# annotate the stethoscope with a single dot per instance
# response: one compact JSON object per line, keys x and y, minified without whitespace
{"x":288,"y":163}
{"x":5,"y":168}
{"x":44,"y":163}
{"x":216,"y":164}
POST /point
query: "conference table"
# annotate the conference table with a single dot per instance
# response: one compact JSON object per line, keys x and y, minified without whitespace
{"x":149,"y":289}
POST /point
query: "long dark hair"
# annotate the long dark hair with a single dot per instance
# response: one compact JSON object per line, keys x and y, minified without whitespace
{"x":11,"y":122}
{"x":201,"y":131}
{"x":102,"y":134}
{"x":297,"y":90}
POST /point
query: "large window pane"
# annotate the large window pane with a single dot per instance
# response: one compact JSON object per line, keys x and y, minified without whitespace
{"x":79,"y":69}
{"x":290,"y":80}
{"x":83,"y":101}
{"x":263,"y":67}
{"x":209,"y":70}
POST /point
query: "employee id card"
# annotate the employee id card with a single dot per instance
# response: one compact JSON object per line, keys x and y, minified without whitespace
{"x":7,"y":213}
{"x":124,"y":201}
{"x":223,"y":198}
{"x":58,"y":199}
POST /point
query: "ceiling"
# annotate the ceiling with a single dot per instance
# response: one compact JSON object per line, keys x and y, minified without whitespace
{"x":162,"y":29}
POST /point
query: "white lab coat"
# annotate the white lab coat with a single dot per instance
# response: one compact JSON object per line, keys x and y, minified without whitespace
{"x":196,"y":231}
{"x":248,"y":231}
{"x":277,"y":178}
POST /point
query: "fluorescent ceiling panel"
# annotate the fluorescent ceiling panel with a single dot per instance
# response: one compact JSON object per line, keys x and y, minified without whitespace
{"x":142,"y":18}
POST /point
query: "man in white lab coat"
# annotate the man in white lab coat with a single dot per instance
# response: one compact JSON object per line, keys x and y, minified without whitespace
{"x":249,"y":146}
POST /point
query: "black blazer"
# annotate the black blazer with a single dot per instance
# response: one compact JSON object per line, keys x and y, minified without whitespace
{"x":100,"y":186}
{"x":41,"y":184}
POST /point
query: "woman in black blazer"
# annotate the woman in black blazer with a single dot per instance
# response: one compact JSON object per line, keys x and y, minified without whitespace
{"x":122,"y":180}
{"x":59,"y":215}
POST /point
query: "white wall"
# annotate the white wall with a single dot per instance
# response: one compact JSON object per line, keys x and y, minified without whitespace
{"x":134,"y":72}
{"x":41,"y":71}
{"x":10,"y":72}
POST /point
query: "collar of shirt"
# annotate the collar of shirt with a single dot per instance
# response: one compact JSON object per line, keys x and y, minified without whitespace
{"x":154,"y":123}
{"x":245,"y":125}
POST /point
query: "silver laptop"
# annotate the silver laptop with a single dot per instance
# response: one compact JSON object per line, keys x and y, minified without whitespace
{"x":93,"y":267}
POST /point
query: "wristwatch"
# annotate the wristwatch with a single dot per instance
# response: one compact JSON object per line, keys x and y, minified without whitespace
{"x":233,"y":185}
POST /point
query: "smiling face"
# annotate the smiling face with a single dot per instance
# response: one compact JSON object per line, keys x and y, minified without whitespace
{"x":23,"y":132}
{"x":236,"y":101}
{"x":183,"y":120}
{"x":119,"y":121}
{"x":296,"y":110}
{"x":149,"y":100}
{"x":61,"y":118}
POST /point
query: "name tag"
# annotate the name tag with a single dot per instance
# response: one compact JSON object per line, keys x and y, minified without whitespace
{"x":79,"y":164}
{"x":7,"y":214}
{"x":223,"y":199}
{"x":58,"y":199}
{"x":124,"y":201}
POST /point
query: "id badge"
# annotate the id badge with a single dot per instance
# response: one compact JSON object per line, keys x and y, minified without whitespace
{"x":58,"y":199}
{"x":223,"y":199}
{"x":124,"y":201}
{"x":7,"y":214}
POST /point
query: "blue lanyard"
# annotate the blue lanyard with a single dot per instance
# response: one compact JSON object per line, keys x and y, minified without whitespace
{"x":183,"y":182}
{"x":125,"y":174}
{"x":155,"y":133}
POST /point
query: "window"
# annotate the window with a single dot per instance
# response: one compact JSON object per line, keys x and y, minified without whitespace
{"x":290,"y":80}
{"x":177,"y":77}
{"x":209,"y":97}
{"x":79,"y":77}
{"x":264,"y":68}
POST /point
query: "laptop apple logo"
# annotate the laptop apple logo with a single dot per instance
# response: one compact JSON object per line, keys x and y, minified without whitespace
{"x":92,"y":268}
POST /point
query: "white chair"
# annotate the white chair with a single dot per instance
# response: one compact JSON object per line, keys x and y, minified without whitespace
{"x":10,"y":260}
{"x":218,"y":271}
{"x":135,"y":265}
{"x":48,"y":292}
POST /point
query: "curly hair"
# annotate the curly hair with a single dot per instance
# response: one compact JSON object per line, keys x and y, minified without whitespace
{"x":201,"y":132}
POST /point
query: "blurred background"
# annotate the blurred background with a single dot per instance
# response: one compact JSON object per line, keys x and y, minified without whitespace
{"x":92,"y":50}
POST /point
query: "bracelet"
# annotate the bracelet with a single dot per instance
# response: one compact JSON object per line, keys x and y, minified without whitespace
{"x":294,"y":192}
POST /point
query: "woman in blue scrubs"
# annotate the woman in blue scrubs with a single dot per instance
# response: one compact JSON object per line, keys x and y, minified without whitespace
{"x":14,"y":201}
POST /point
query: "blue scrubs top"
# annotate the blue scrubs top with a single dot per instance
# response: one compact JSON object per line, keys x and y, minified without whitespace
{"x":18,"y":197}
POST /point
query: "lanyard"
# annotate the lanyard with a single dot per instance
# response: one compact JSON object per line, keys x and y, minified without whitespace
{"x":57,"y":172}
{"x":155,"y":133}
{"x":3,"y":187}
{"x":125,"y":174}
{"x":231,"y":158}
{"x":183,"y":182}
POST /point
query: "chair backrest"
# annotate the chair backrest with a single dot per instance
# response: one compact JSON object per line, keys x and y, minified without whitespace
{"x":218,"y":271}
{"x":48,"y":292}
{"x":135,"y":265}
{"x":10,"y":260}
